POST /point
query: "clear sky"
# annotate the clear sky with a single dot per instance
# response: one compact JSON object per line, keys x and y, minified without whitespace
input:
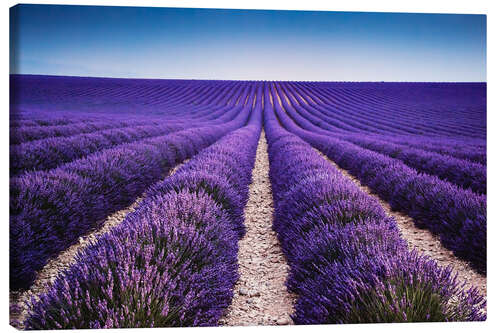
{"x":246,"y":44}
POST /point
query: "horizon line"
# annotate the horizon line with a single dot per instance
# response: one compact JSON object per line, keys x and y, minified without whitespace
{"x":243,"y":80}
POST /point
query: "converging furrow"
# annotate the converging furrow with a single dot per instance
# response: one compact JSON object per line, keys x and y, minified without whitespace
{"x":160,"y":203}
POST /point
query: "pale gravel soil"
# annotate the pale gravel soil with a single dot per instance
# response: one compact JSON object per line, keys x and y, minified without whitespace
{"x":423,"y":240}
{"x":19,"y":301}
{"x":261,"y":297}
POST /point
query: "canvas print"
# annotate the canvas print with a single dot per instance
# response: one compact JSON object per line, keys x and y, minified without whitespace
{"x":219,"y":167}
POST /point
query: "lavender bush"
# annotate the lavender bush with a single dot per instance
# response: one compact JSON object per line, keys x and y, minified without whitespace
{"x":463,"y":173}
{"x":52,"y":152}
{"x":348,"y":263}
{"x":457,"y":215}
{"x":83,"y":148}
{"x":51,"y":209}
{"x":183,"y":266}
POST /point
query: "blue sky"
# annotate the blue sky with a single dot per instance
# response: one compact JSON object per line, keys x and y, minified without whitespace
{"x":246,"y":44}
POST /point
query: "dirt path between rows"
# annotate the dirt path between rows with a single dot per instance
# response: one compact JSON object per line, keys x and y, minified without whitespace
{"x":19,"y":300}
{"x":423,"y":240}
{"x":261,"y":297}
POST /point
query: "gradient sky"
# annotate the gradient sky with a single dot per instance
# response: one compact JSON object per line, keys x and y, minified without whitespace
{"x":246,"y":44}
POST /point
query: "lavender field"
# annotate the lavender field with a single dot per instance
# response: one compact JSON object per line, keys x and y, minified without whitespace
{"x":153,"y":203}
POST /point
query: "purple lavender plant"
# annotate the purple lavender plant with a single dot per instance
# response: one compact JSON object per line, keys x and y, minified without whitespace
{"x":347,"y":261}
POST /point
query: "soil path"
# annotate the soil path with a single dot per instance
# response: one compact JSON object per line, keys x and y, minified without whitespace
{"x":48,"y":274}
{"x":423,"y":240}
{"x":261,"y":297}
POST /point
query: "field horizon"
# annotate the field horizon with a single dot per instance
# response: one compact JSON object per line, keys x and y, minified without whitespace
{"x":238,"y":80}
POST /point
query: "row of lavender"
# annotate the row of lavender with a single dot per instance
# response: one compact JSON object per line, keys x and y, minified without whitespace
{"x":51,"y":209}
{"x":329,"y":114}
{"x":455,"y":213}
{"x":402,"y":108}
{"x":183,"y":267}
{"x":109,"y":168}
{"x":61,"y":128}
{"x":348,"y":263}
{"x":99,"y":97}
{"x":464,"y":173}
{"x":49,"y":153}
